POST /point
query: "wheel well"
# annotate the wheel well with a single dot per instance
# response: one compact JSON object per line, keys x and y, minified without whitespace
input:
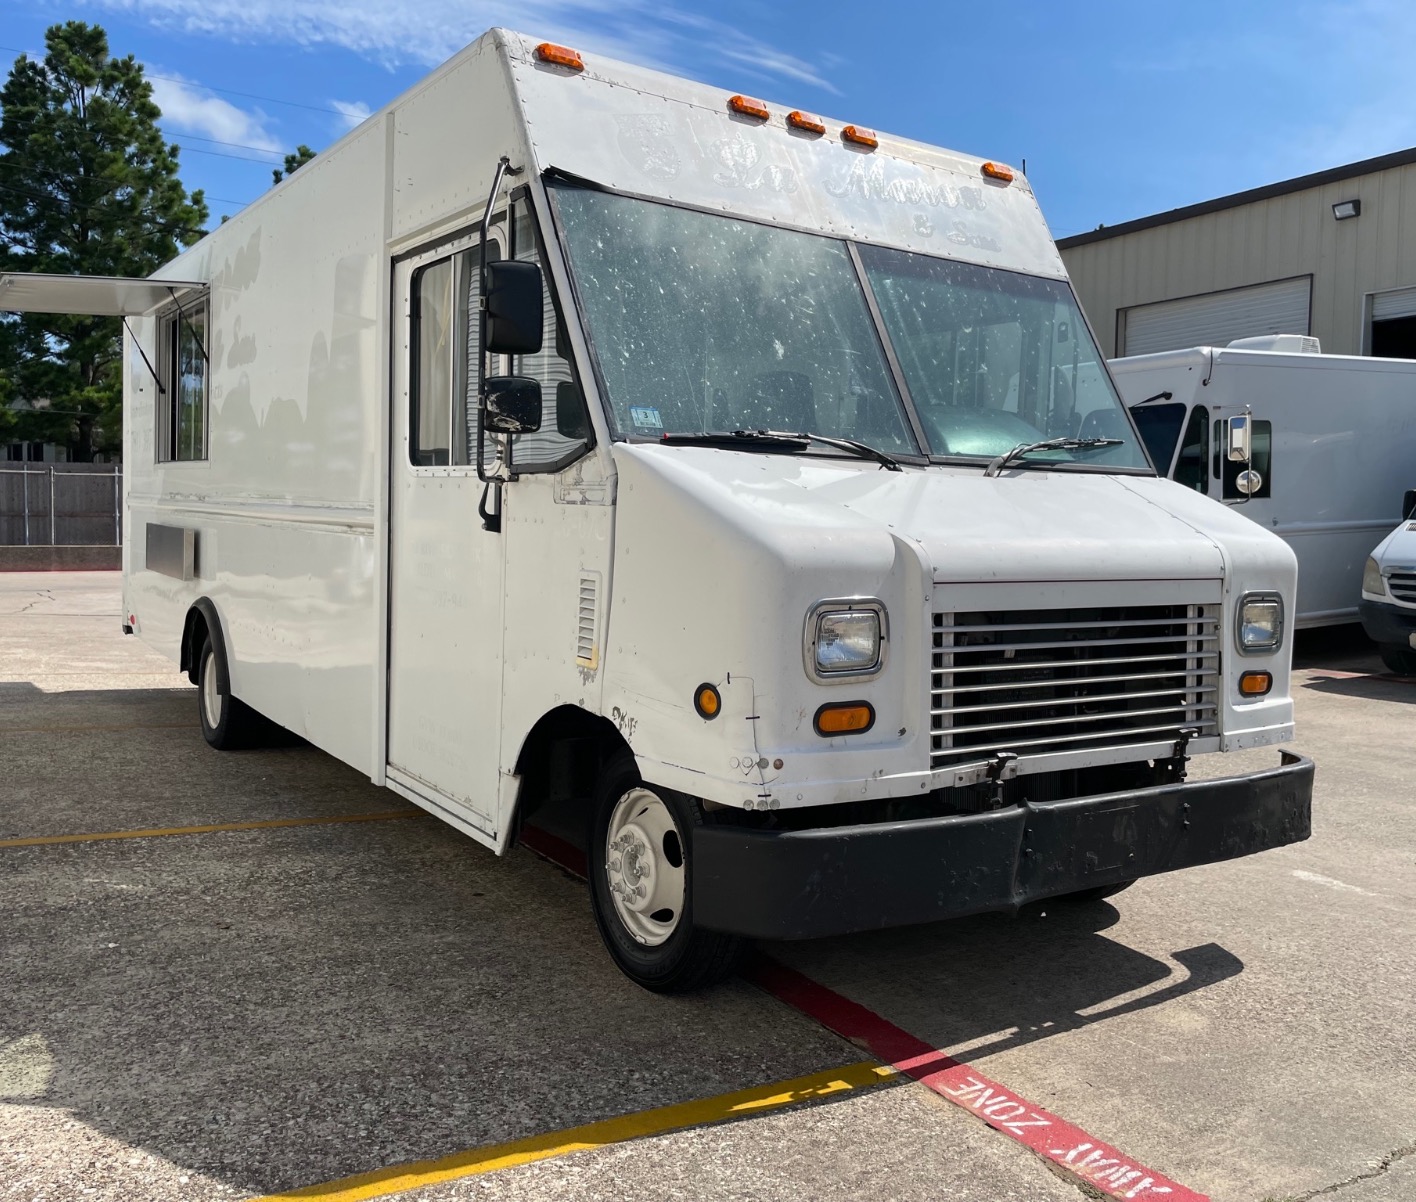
{"x":562,"y":757}
{"x":203,"y":622}
{"x":194,"y":634}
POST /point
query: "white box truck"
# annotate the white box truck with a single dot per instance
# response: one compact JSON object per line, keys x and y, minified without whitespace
{"x":574,"y":433}
{"x":1334,"y":447}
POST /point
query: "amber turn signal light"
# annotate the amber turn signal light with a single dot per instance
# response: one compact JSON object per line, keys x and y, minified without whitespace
{"x":1255,"y":684}
{"x":707,"y":701}
{"x":845,"y":718}
{"x":999,"y":172}
{"x":806,"y":121}
{"x":860,"y":136}
{"x":749,"y":107}
{"x":561,"y":56}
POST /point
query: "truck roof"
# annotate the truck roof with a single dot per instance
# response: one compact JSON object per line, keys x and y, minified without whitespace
{"x":1223,"y":356}
{"x":647,"y":133}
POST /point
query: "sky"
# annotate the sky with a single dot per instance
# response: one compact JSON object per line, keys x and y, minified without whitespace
{"x":1120,"y":109}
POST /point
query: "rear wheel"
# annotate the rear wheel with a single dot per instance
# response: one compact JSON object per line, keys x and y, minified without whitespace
{"x":641,"y":878}
{"x":227,"y":724}
{"x":1398,"y":659}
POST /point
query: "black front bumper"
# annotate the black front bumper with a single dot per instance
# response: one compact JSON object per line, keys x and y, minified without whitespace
{"x":836,"y":880}
{"x":1386,"y":623}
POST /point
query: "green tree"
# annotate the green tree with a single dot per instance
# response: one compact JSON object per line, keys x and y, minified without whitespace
{"x":293,"y":162}
{"x":88,"y":186}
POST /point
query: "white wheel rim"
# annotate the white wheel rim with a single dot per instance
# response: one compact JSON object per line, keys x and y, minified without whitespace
{"x":211,"y":698}
{"x":646,"y":886}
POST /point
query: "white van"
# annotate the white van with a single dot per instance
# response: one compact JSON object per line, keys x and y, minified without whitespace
{"x":570,"y":432}
{"x":1334,"y":447}
{"x":1388,"y":605}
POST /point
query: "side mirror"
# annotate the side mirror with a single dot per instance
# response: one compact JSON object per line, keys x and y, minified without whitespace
{"x":1241,"y":439}
{"x":512,"y":405}
{"x":515,"y":316}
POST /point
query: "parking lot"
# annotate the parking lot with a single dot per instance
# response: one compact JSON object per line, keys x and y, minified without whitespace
{"x":326,"y":994}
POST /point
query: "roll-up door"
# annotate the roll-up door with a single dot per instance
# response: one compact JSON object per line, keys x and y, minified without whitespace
{"x":1399,"y":302}
{"x":1392,"y":333}
{"x":1217,"y":318}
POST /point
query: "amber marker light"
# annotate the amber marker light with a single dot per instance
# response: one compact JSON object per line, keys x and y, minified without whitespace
{"x":999,"y":172}
{"x":858,"y":135}
{"x":844,"y":718}
{"x":560,"y":56}
{"x":749,"y":107}
{"x":1255,"y":684}
{"x":806,"y":121}
{"x":708,"y":702}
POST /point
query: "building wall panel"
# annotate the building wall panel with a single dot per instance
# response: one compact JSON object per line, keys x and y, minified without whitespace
{"x":1268,"y":239}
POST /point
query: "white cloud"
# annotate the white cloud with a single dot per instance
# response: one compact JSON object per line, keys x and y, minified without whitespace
{"x":427,"y":32}
{"x":353,"y":112}
{"x":186,"y":108}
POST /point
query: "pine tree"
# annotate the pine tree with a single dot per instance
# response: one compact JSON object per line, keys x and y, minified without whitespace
{"x":293,"y":162}
{"x":88,"y":186}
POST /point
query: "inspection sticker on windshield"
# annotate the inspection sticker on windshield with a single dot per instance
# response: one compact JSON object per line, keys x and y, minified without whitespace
{"x":646,"y":418}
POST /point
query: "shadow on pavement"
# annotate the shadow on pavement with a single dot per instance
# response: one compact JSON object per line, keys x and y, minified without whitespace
{"x":995,"y":982}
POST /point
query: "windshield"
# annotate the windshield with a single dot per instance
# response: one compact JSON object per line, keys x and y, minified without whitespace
{"x":702,"y":322}
{"x":994,"y":358}
{"x":1160,"y":427}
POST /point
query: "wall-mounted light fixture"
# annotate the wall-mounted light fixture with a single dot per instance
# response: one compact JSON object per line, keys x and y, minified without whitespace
{"x":1344,"y":209}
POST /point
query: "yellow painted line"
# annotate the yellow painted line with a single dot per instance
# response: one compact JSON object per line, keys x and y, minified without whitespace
{"x":161,"y":832}
{"x":69,"y":730}
{"x":746,"y":1102}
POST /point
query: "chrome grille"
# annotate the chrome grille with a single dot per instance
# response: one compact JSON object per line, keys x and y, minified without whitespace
{"x":1402,"y":586}
{"x":1035,"y":682}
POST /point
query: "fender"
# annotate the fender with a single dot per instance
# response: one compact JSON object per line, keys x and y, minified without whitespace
{"x":206,"y":608}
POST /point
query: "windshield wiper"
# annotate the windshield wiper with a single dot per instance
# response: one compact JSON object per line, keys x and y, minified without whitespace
{"x":1051,"y":444}
{"x":780,"y":440}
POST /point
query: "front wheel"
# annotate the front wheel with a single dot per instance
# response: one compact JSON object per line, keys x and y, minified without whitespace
{"x":641,"y":877}
{"x":1398,"y":659}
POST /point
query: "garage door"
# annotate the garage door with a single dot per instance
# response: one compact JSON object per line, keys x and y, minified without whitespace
{"x":1217,"y":318}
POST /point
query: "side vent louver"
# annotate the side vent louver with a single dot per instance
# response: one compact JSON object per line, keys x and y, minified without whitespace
{"x":587,"y":652}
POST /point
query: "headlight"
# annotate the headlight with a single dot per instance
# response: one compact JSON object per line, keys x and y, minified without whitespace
{"x":845,"y":638}
{"x":1372,"y":581}
{"x":1260,"y":622}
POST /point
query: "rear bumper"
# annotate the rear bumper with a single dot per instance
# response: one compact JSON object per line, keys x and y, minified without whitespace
{"x":1387,"y":623}
{"x":833,"y":881}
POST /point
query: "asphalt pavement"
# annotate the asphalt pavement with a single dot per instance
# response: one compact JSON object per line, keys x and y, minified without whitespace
{"x":329,"y":985}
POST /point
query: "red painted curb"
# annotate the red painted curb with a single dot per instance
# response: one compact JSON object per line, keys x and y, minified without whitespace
{"x":1065,"y":1145}
{"x":1083,"y":1156}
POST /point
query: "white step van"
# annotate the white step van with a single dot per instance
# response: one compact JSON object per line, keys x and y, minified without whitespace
{"x":573,"y":433}
{"x":1334,"y":447}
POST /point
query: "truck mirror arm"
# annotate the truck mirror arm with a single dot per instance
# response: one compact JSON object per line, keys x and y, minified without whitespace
{"x":491,"y":518}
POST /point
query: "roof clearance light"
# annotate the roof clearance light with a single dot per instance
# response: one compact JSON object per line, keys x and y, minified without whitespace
{"x":811,"y":124}
{"x":860,"y":136}
{"x":560,"y":56}
{"x":749,"y":107}
{"x":999,"y":172}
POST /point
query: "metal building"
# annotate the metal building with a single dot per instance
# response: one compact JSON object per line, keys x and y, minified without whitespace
{"x":1332,"y":254}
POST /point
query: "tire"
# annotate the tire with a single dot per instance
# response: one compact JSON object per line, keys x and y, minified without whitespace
{"x":1084,"y":896}
{"x":227,"y":724}
{"x":1398,"y":659}
{"x":660,"y":950}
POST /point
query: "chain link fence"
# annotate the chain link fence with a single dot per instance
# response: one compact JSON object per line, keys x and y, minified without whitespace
{"x":61,"y":504}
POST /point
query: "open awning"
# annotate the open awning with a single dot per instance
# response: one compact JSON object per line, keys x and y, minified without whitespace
{"x":90,"y":295}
